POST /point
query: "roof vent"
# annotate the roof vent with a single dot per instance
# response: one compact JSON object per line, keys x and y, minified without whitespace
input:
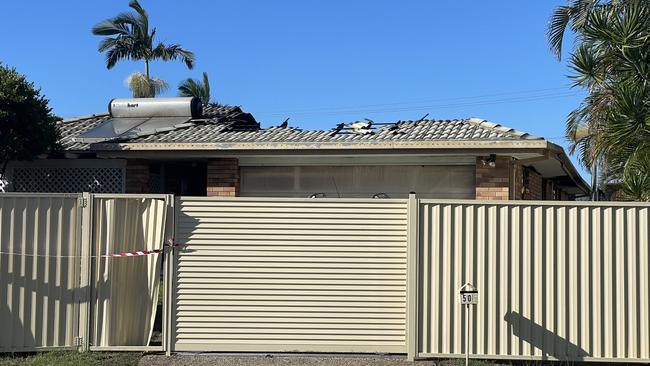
{"x":131,"y":118}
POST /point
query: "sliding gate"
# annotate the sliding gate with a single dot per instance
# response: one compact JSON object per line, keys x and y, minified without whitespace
{"x":290,"y":275}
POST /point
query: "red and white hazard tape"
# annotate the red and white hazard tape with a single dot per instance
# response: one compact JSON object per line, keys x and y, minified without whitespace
{"x":135,"y":253}
{"x":138,"y":253}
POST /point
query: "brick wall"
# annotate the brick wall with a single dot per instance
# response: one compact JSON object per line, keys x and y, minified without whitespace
{"x":137,"y":176}
{"x":493,"y":183}
{"x":518,"y":184}
{"x":223,"y":177}
{"x":507,"y":180}
{"x":533,"y":186}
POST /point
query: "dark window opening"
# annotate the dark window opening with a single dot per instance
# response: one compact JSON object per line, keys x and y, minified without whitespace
{"x":179,"y":178}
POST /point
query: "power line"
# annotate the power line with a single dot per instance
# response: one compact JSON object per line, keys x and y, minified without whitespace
{"x":463,"y":98}
{"x":529,"y":91}
{"x":518,"y":99}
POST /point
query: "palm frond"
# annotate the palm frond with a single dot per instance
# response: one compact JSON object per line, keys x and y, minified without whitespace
{"x":193,"y":88}
{"x":574,"y":16}
{"x":586,"y":68}
{"x":206,"y":88}
{"x":636,"y":173}
{"x":173,"y":52}
{"x":116,"y":54}
{"x":142,"y":21}
{"x":188,"y":88}
{"x":143,"y":87}
{"x":110,"y":28}
{"x":135,"y":5}
{"x":558,"y":24}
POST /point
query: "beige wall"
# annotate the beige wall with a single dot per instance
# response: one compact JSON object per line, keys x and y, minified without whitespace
{"x":556,"y":281}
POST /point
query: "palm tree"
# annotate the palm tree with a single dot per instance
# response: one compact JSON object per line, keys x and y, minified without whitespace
{"x":196,"y":88}
{"x":611,"y":127}
{"x":128,"y":37}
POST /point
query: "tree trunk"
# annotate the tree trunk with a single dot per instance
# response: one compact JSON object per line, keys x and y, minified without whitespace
{"x":152,"y":92}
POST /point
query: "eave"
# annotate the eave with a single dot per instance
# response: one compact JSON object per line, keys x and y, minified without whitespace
{"x":348,"y":145}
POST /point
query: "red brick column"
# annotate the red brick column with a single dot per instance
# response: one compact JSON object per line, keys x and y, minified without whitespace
{"x":493,"y":182}
{"x":223,"y":177}
{"x":137,"y":176}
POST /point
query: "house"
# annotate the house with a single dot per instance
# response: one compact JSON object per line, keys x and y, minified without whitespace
{"x":223,"y":151}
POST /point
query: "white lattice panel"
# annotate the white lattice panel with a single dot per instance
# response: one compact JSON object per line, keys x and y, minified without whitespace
{"x":68,"y":179}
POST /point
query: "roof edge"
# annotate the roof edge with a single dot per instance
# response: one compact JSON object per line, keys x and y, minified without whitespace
{"x":366,"y":145}
{"x":568,"y":167}
{"x":79,"y":118}
{"x":501,"y":128}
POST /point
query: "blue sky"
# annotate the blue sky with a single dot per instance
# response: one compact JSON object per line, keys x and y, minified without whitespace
{"x":317,"y":62}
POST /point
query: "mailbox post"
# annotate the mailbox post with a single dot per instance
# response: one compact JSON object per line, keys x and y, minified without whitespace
{"x":467,"y":295}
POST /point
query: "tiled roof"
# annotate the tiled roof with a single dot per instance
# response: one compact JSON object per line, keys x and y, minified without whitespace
{"x":73,"y":127}
{"x":230,"y":124}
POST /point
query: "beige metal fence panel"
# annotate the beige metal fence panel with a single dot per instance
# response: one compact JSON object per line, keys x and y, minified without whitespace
{"x":564,"y":281}
{"x":125,"y":289}
{"x":39,"y":271}
{"x":274,"y":275}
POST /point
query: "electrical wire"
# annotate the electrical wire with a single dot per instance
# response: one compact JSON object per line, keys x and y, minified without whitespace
{"x":403,"y":106}
{"x":424,"y":101}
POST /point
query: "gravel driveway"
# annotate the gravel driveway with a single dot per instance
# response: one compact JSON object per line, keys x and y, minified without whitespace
{"x":277,"y":360}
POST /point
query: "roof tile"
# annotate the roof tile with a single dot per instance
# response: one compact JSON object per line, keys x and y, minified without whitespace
{"x":217,"y":126}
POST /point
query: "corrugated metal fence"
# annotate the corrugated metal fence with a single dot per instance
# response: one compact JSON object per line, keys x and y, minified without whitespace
{"x":556,"y":280}
{"x":38,"y":293}
{"x":46,"y":262}
{"x":564,"y":281}
{"x":291,"y":275}
{"x":125,"y":290}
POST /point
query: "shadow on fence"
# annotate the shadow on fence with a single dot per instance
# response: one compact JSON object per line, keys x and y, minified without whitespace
{"x":543,"y":339}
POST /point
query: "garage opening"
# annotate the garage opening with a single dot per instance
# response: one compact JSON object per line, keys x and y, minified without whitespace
{"x":362,"y":181}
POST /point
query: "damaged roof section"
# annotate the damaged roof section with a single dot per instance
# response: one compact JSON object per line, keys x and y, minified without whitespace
{"x":227,"y":118}
{"x":229,"y":124}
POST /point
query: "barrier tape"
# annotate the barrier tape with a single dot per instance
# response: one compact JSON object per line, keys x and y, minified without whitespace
{"x":135,"y":253}
{"x":138,"y":253}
